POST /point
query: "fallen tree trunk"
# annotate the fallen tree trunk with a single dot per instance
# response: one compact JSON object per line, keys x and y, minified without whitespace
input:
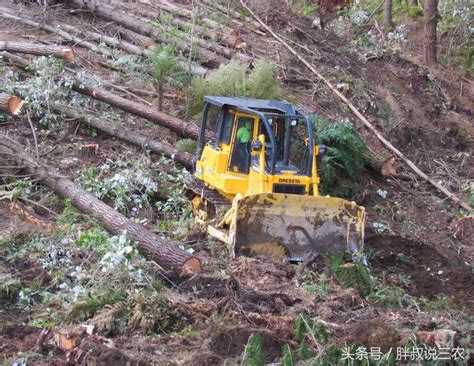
{"x":186,"y":24}
{"x":131,"y":137}
{"x":196,"y":69}
{"x":14,"y":59}
{"x":130,"y":36}
{"x":38,"y":49}
{"x":230,"y":13}
{"x":360,"y":116}
{"x":140,"y":25}
{"x":182,"y":128}
{"x":10,"y":104}
{"x":102,"y":38}
{"x":186,"y":13}
{"x":167,"y":254}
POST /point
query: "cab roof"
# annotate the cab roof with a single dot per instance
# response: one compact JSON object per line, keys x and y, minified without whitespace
{"x":259,"y":105}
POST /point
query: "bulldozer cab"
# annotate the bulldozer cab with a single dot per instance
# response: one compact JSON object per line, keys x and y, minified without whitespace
{"x":261,"y":155}
{"x":245,"y":130}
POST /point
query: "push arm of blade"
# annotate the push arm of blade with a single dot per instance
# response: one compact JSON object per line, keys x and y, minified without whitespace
{"x":218,"y":234}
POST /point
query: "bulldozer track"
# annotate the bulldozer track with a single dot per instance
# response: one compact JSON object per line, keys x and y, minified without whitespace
{"x":210,"y":195}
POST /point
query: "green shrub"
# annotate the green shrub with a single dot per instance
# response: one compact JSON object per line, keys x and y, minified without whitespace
{"x":345,"y":157}
{"x":92,"y":238}
{"x":235,"y":80}
{"x":387,"y":296}
{"x":262,"y":82}
{"x":10,"y":287}
{"x":88,"y":304}
{"x":129,"y":184}
{"x":166,"y":64}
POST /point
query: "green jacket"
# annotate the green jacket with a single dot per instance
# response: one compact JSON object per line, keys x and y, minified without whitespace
{"x":243,"y":135}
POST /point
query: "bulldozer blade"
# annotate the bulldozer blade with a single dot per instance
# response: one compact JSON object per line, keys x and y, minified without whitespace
{"x":291,"y":227}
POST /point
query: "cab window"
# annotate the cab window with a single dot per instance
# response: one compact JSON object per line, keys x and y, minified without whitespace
{"x":227,"y":125}
{"x":243,"y":136}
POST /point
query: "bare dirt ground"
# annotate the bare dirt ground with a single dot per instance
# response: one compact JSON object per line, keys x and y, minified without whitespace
{"x":433,"y":125}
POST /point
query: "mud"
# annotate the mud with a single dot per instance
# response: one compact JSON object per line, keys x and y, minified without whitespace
{"x":231,"y":342}
{"x":30,"y":270}
{"x":91,"y":352}
{"x":230,"y":294}
{"x":433,"y":274}
{"x":374,"y":333}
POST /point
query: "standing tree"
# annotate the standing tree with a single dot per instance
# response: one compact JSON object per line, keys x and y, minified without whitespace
{"x":429,"y":42}
{"x":413,"y":2}
{"x":387,"y":14}
{"x":164,"y":63}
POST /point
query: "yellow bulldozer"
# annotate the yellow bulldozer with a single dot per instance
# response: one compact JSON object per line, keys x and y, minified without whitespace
{"x":262,"y":157}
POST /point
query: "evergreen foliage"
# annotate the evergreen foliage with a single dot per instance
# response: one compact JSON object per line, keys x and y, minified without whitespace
{"x":352,"y":274}
{"x":346,"y":153}
{"x":165,"y":63}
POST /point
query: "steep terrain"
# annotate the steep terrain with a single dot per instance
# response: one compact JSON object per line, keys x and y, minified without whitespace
{"x":419,"y":285}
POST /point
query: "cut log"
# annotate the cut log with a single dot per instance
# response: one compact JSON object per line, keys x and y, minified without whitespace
{"x":38,"y":49}
{"x":167,"y":254}
{"x":186,"y":13}
{"x":10,"y":104}
{"x":8,"y":14}
{"x":14,"y":59}
{"x":102,"y":38}
{"x":131,"y":137}
{"x":182,"y":128}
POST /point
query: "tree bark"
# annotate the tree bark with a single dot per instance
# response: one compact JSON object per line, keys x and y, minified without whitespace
{"x":387,"y":14}
{"x":165,"y":253}
{"x":429,"y":41}
{"x":182,"y":128}
{"x":38,"y":49}
{"x":14,"y":59}
{"x":131,"y":137}
{"x":413,"y":2}
{"x":130,"y":36}
{"x":160,"y":96}
{"x":10,"y":104}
